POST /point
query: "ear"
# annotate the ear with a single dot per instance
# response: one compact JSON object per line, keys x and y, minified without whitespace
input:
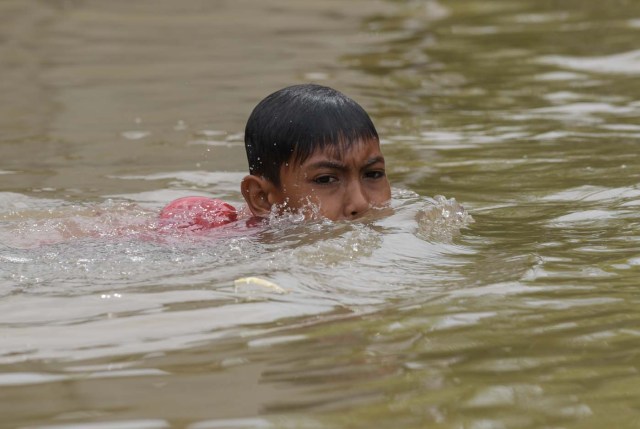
{"x":260,"y":194}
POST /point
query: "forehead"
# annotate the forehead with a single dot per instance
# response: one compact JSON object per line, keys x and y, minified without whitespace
{"x":345,"y":151}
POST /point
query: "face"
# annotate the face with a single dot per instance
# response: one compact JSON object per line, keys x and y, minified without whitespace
{"x":343,"y":186}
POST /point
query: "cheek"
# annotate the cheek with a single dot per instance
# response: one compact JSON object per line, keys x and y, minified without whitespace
{"x":328,"y":203}
{"x":300,"y":196}
{"x":380,"y":195}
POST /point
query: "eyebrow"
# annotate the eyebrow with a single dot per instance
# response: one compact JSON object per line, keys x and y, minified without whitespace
{"x":337,"y":165}
{"x":374,"y":160}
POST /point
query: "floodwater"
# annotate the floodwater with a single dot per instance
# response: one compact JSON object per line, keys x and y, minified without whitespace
{"x":511,"y":302}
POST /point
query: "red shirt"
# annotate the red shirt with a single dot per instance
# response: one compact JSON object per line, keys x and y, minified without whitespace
{"x":197,"y":213}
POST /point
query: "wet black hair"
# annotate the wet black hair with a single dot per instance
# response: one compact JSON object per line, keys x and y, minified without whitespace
{"x":292,"y":123}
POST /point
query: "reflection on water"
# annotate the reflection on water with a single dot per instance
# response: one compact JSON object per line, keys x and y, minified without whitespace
{"x":525,"y":112}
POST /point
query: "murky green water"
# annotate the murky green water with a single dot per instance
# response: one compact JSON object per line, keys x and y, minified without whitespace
{"x":526,"y":112}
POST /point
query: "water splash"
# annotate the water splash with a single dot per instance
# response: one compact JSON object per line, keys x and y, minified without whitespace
{"x":443,"y":220}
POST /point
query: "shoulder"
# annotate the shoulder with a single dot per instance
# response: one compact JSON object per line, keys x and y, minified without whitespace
{"x":196,"y":213}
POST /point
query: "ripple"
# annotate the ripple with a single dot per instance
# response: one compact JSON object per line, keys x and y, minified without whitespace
{"x":12,"y":203}
{"x":25,"y":378}
{"x":248,"y":423}
{"x":559,"y":76}
{"x":592,"y":193}
{"x":218,"y":181}
{"x":135,"y":135}
{"x":583,"y":111}
{"x":586,"y":216}
{"x":120,"y":424}
{"x":622,"y":63}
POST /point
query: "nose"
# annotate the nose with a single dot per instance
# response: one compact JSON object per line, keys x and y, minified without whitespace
{"x":356,"y":201}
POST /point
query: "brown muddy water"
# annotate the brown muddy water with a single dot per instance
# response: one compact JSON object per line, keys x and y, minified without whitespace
{"x":525,"y":111}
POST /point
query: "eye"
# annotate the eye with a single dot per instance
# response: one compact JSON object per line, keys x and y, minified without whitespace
{"x":374,"y":174}
{"x":325,"y":179}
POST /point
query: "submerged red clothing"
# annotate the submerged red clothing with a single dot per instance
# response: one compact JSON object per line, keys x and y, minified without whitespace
{"x":196,"y":213}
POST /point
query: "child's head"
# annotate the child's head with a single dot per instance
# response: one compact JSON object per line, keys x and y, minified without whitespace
{"x":312,"y":144}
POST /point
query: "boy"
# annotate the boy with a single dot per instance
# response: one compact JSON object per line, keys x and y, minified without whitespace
{"x":307,"y":145}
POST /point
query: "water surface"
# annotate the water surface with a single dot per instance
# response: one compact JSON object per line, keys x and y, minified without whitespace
{"x":525,"y":112}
